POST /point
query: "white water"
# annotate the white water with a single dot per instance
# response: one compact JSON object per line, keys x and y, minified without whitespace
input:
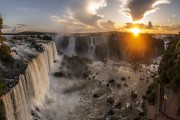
{"x":166,"y":44}
{"x":92,"y":45}
{"x":32,"y":87}
{"x":71,"y":46}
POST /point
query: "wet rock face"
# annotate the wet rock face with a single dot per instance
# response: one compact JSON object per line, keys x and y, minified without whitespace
{"x":64,"y":42}
{"x":101,"y":51}
{"x":114,"y":45}
{"x":75,"y":67}
{"x":111,"y":81}
{"x":95,"y":95}
{"x":133,"y":95}
{"x":111,"y":112}
{"x":118,"y":105}
{"x":123,"y":79}
{"x":81,"y":44}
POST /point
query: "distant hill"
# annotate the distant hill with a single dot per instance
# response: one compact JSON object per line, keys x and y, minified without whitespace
{"x":28,"y":33}
{"x":86,"y":33}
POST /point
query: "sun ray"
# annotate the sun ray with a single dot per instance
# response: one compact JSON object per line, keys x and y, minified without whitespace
{"x":135,"y":31}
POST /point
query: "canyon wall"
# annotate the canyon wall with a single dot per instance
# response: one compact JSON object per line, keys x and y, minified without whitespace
{"x":30,"y":91}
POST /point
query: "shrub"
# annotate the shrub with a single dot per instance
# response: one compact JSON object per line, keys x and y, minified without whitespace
{"x":169,"y":69}
{"x":2,"y":111}
{"x":152,"y":97}
{"x":2,"y":86}
{"x":144,"y":118}
{"x":47,"y":37}
{"x":5,"y":54}
{"x":59,"y":74}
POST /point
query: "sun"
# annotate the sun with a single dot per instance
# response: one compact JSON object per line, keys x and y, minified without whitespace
{"x":135,"y":31}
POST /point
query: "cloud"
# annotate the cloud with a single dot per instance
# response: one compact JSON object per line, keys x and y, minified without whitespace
{"x":25,"y":9}
{"x":86,"y":11}
{"x":21,"y":25}
{"x":138,"y":9}
{"x":68,"y":24}
{"x":66,"y":20}
{"x":132,"y":25}
{"x":18,"y":28}
{"x":108,"y":24}
{"x":169,"y":29}
{"x":6,"y":27}
{"x":82,"y":15}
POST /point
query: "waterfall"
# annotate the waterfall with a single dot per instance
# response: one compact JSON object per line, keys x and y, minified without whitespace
{"x":32,"y":86}
{"x":71,"y":46}
{"x":166,"y":45}
{"x":91,"y":45}
{"x":58,"y":40}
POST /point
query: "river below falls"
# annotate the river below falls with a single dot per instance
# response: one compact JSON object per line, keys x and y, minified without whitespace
{"x":104,"y":95}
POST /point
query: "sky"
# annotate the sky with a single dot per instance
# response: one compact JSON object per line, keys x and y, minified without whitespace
{"x":90,"y":15}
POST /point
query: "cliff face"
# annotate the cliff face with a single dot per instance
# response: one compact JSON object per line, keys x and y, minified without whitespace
{"x":167,"y":90}
{"x":169,"y":69}
{"x":32,"y":86}
{"x":123,"y":46}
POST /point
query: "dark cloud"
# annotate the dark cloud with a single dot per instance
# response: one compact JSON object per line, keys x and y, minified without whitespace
{"x":140,"y":25}
{"x":21,"y":25}
{"x":131,"y":25}
{"x":137,"y":9}
{"x":108,"y":24}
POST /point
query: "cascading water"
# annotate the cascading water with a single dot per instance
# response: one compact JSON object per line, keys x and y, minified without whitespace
{"x":91,"y":46}
{"x":71,"y":46}
{"x":166,"y":45}
{"x":32,"y":86}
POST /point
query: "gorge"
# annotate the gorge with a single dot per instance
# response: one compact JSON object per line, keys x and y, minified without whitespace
{"x":93,"y":77}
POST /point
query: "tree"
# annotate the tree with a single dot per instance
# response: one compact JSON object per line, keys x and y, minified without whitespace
{"x":2,"y":86}
{"x":1,"y":23}
{"x":169,"y":69}
{"x":5,"y":51}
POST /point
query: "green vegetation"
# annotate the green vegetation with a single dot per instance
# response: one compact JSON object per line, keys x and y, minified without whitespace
{"x":2,"y":86}
{"x":2,"y":111}
{"x":1,"y":23}
{"x":2,"y":91}
{"x":152,"y":91}
{"x":144,"y":118}
{"x":169,"y":70}
{"x":45,"y":37}
{"x":5,"y":52}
